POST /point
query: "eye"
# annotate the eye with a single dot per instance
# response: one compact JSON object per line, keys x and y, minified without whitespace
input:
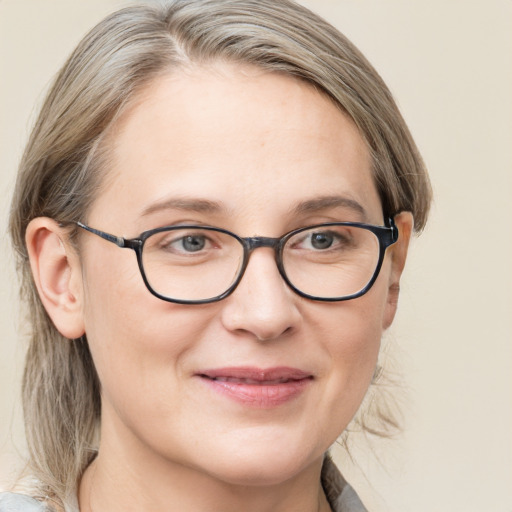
{"x":191,"y":243}
{"x":322,"y":240}
{"x":183,"y":243}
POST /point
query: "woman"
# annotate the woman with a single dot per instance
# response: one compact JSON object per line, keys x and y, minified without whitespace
{"x":260,"y":170}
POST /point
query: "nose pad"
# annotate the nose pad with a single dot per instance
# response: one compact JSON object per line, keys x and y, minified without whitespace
{"x":262,"y":305}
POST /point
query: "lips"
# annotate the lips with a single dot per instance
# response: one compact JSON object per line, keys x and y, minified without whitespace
{"x":262,"y":388}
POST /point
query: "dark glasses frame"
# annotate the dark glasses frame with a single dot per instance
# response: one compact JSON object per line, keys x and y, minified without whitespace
{"x":386,"y":235}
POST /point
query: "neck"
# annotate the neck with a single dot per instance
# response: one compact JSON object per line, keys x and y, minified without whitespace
{"x":120,"y":485}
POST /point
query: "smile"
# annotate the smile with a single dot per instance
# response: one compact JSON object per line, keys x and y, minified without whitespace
{"x":252,"y":381}
{"x":254,"y":387}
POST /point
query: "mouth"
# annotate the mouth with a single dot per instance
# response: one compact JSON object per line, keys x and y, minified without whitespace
{"x":255,"y":387}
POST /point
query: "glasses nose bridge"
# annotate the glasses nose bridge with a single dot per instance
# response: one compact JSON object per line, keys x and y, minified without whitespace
{"x":255,"y":242}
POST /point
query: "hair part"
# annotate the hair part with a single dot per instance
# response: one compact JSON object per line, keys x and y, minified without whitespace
{"x":64,"y":161}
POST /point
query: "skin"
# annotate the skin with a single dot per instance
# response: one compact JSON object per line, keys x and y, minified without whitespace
{"x":259,"y":144}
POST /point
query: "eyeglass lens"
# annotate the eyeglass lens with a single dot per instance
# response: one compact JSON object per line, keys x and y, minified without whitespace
{"x":194,"y":264}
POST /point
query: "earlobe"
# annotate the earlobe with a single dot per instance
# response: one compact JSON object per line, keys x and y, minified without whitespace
{"x":57,"y":275}
{"x":398,"y":254}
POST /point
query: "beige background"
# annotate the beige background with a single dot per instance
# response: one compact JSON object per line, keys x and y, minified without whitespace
{"x":449,"y":63}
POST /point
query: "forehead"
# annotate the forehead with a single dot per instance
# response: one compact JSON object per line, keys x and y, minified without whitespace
{"x":240,"y":136}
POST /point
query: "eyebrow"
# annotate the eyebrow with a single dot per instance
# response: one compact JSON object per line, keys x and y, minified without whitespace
{"x":184,"y":204}
{"x":325,"y":202}
{"x":209,"y":206}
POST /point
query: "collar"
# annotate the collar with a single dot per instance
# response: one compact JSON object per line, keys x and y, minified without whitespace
{"x":339,"y":493}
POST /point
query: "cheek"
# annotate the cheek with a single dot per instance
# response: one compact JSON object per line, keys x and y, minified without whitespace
{"x":356,"y":351}
{"x":351,"y":345}
{"x":137,"y":341}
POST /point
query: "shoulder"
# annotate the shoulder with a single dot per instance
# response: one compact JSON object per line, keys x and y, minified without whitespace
{"x":12,"y":502}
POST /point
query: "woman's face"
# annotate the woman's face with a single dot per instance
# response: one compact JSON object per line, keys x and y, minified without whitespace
{"x":256,"y":153}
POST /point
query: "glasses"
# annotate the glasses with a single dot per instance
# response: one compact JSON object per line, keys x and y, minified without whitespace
{"x":192,"y":264}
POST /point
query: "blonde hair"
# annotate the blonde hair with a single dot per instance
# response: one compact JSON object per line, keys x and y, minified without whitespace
{"x":60,"y":171}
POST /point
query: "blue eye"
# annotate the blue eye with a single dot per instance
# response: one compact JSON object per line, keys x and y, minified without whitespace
{"x":192,"y":243}
{"x":182,"y":243}
{"x":321,"y":240}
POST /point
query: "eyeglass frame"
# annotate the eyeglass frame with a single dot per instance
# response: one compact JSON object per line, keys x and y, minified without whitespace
{"x":386,"y":235}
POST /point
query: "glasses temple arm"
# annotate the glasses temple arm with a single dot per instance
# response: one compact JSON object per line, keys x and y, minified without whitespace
{"x":118,"y":240}
{"x":394,"y":230}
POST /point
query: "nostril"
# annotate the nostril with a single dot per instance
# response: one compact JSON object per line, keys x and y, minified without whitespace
{"x":262,"y":306}
{"x":271,"y":335}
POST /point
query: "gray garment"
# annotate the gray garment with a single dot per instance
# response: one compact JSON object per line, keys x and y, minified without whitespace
{"x":11,"y":502}
{"x":340,"y":495}
{"x":14,"y":502}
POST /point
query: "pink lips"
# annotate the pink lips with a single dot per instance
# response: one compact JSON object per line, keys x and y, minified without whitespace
{"x":263,"y":388}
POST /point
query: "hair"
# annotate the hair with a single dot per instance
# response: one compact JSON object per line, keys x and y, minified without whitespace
{"x":61,"y":169}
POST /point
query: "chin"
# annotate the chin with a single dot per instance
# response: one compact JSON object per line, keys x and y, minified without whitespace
{"x":270,"y":472}
{"x":268,"y":464}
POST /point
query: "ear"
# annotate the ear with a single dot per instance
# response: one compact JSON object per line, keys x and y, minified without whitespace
{"x":57,"y":275}
{"x":398,"y":254}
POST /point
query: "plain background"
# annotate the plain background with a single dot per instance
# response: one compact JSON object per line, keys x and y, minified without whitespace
{"x":449,"y":64}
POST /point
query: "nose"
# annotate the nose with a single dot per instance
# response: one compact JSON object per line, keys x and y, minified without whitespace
{"x":262,"y":306}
